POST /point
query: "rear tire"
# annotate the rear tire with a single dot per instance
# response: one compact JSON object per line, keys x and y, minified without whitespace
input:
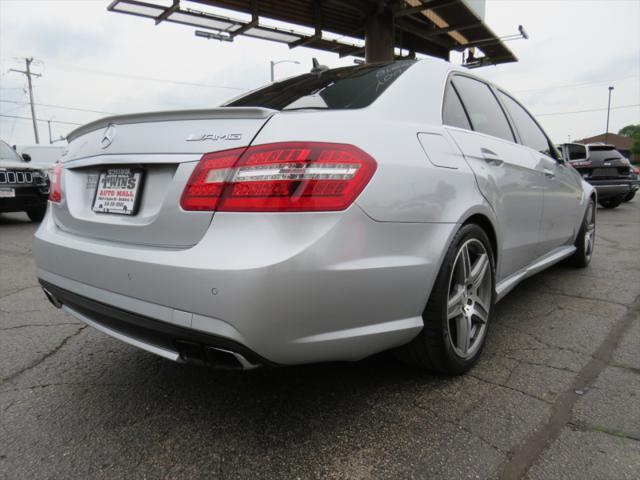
{"x":36,"y":214}
{"x":630,"y":196}
{"x":611,"y":202}
{"x":586,"y":239}
{"x":457,"y":315}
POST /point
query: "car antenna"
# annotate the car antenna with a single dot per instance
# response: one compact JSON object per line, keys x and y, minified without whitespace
{"x":317,"y":68}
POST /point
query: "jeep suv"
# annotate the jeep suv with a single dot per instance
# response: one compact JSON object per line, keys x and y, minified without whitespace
{"x":23,"y":188}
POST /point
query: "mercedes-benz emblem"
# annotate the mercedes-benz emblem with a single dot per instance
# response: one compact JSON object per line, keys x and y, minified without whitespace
{"x":108,"y":136}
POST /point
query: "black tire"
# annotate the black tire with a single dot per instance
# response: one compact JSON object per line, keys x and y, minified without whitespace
{"x":584,"y":245}
{"x":36,"y":214}
{"x":629,"y":196}
{"x":432,"y":349}
{"x":611,"y":202}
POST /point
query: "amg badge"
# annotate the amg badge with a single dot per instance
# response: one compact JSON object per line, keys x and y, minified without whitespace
{"x":201,"y":137}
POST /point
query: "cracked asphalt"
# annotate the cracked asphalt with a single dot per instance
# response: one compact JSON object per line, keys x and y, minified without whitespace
{"x":556,"y":394}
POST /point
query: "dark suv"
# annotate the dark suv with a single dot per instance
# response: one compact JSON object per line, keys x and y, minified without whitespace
{"x":22,"y":188}
{"x":603,"y":167}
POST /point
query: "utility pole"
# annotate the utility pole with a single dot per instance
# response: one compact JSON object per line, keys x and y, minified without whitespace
{"x":51,"y":140}
{"x":606,"y":134}
{"x":30,"y":74}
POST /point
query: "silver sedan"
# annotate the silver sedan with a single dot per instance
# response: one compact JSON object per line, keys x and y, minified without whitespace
{"x":325,"y":217}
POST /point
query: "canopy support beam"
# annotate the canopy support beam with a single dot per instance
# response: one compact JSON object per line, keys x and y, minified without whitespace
{"x":379,"y":37}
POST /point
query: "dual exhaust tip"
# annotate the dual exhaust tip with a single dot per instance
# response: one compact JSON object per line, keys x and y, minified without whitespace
{"x":218,"y":358}
{"x":193,"y":352}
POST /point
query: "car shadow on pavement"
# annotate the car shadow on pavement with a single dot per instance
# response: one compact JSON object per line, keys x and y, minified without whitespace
{"x":14,"y":219}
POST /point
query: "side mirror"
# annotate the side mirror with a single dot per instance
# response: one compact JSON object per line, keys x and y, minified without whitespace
{"x":26,"y":157}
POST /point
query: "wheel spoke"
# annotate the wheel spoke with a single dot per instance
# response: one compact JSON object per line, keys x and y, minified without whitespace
{"x":466,"y":262}
{"x":463,"y":333}
{"x":478,"y":271}
{"x":454,"y":305}
{"x":479,"y":314}
{"x":588,"y":242}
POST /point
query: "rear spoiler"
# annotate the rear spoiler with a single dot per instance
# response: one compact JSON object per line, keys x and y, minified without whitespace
{"x":173,"y":115}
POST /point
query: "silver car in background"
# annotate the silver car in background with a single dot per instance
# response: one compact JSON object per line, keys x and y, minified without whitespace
{"x":326,"y":217}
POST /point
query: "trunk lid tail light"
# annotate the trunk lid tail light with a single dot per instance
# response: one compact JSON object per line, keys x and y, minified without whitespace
{"x":55,"y":189}
{"x":279,"y":177}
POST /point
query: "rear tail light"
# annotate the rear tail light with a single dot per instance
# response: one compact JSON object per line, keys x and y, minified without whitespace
{"x":55,"y":190}
{"x":279,"y":177}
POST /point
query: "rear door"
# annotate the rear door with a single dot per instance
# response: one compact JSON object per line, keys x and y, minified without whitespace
{"x":562,"y":186}
{"x":507,"y":175}
{"x":149,"y":158}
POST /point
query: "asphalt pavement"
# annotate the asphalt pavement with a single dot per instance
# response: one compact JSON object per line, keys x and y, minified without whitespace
{"x":556,"y":394}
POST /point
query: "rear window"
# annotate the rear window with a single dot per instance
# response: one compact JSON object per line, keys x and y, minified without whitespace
{"x":604,"y":153}
{"x":337,"y":89}
{"x":8,"y":154}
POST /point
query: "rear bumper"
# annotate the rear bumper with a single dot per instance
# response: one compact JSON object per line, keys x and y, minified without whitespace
{"x":285,"y":288}
{"x":166,"y":340}
{"x":611,"y":188}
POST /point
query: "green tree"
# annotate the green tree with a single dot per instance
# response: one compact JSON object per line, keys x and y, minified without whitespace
{"x":632,"y":132}
{"x":629,"y":131}
{"x":635,"y":147}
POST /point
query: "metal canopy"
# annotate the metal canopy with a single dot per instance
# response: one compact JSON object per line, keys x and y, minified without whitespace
{"x":393,"y":28}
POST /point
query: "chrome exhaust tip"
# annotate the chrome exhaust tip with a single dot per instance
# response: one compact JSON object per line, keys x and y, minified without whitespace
{"x":239,"y":358}
{"x":53,"y":300}
{"x":215,"y":357}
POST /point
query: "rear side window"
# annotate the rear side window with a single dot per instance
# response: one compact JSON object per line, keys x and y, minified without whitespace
{"x":341,"y":88}
{"x":603,"y":153}
{"x":452,"y":110}
{"x":531,"y":134}
{"x":483,"y":108}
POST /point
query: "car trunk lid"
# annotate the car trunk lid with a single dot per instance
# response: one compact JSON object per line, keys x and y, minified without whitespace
{"x":163,"y":148}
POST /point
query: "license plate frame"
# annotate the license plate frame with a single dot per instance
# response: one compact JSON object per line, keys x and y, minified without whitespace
{"x":123,"y":175}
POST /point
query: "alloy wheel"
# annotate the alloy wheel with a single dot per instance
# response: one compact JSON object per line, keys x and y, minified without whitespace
{"x":590,"y":231}
{"x":469,"y":299}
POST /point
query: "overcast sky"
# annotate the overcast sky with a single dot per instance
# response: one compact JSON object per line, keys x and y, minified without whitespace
{"x":91,"y":59}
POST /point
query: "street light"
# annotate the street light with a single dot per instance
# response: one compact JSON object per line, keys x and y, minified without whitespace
{"x":606,"y":134}
{"x":273,"y":64}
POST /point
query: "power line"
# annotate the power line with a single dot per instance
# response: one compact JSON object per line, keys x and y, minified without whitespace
{"x":140,"y":77}
{"x":586,"y":111}
{"x":63,"y":107}
{"x":40,"y":120}
{"x":13,"y":109}
{"x":568,"y":85}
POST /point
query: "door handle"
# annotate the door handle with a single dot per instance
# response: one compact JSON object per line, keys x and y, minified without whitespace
{"x":491,"y":157}
{"x":548,"y":173}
